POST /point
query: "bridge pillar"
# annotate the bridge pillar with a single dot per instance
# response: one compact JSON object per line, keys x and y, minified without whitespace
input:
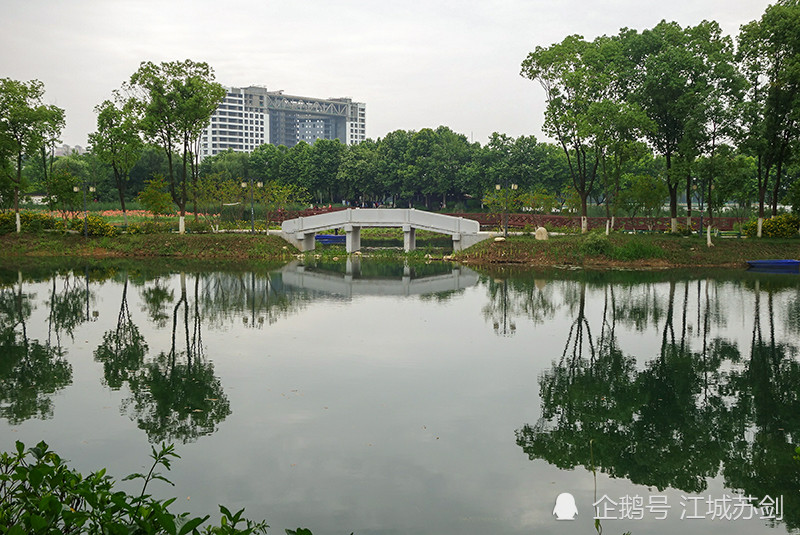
{"x":307,"y":240}
{"x":409,"y":238}
{"x":457,"y":243}
{"x":352,"y":238}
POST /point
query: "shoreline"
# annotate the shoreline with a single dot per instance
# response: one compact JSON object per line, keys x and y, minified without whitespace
{"x":618,"y":251}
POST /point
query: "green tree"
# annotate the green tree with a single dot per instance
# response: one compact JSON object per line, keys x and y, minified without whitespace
{"x":576,"y":79}
{"x":391,"y":163}
{"x":265,"y":162}
{"x":644,"y":194}
{"x":61,"y":193}
{"x":325,"y":157}
{"x":769,"y":54}
{"x":357,"y":173}
{"x":26,"y":124}
{"x":675,"y":74}
{"x":155,"y":198}
{"x":419,"y":172}
{"x":294,"y":166}
{"x":176,"y":100}
{"x":151,"y":163}
{"x":275,"y":197}
{"x":117,"y":143}
{"x":212,"y":193}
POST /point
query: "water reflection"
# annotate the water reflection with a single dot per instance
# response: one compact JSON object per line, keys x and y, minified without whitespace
{"x":677,"y":418}
{"x":175,"y":396}
{"x":31,"y":371}
{"x":357,"y":376}
{"x":354,"y":277}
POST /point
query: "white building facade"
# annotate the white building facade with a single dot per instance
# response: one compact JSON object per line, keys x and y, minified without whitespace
{"x":251,"y":116}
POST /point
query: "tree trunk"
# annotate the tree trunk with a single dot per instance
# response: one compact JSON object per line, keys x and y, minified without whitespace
{"x":584,"y":212}
{"x":689,"y":202}
{"x":16,"y":209}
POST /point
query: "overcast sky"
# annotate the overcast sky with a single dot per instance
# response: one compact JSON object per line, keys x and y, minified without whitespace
{"x":415,"y":64}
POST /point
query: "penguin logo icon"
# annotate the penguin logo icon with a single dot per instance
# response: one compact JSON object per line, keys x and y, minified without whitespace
{"x":565,"y":508}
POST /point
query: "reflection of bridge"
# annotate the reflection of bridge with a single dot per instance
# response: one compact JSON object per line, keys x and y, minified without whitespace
{"x":348,"y":284}
{"x":300,"y":231}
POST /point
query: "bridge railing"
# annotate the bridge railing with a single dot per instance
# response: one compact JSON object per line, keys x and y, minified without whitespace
{"x":382,"y":217}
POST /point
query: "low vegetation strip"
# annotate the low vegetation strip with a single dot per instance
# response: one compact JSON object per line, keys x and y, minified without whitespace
{"x":625,"y":250}
{"x":591,"y":250}
{"x":197,"y":246}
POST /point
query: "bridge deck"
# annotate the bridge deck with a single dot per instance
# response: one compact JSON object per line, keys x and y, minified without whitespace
{"x":300,"y":231}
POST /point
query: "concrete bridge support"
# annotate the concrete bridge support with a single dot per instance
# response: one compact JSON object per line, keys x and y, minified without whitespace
{"x":352,"y":238}
{"x":409,"y":238}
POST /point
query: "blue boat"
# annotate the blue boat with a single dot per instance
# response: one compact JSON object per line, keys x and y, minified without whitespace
{"x":331,"y":239}
{"x":774,"y":266}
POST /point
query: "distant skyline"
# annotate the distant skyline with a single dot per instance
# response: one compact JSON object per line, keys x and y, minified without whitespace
{"x":415,"y":64}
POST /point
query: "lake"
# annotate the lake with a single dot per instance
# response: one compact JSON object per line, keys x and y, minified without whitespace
{"x":382,"y":398}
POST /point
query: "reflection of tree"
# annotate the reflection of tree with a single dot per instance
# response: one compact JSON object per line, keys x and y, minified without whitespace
{"x":587,"y":402}
{"x":176,"y":396}
{"x":498,"y":310}
{"x":155,"y":300}
{"x":511,"y":299}
{"x":30,"y":372}
{"x":123,"y":348}
{"x":257,"y":300}
{"x":767,"y":409}
{"x":663,"y":426}
{"x":69,"y":307}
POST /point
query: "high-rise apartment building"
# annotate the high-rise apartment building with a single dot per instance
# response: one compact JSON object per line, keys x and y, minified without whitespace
{"x":250,"y":116}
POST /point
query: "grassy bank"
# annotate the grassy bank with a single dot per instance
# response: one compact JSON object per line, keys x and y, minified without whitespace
{"x":593,"y":250}
{"x":187,"y":246}
{"x":625,"y":250}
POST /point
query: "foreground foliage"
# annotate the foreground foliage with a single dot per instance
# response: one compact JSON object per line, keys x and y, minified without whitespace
{"x":40,"y":494}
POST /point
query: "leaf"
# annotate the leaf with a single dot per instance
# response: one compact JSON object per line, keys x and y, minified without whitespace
{"x":191,"y":524}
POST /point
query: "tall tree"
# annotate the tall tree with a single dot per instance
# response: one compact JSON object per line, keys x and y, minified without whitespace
{"x":576,"y":80}
{"x":25,"y":125}
{"x":392,"y":162}
{"x":324,"y":159}
{"x":117,"y":141}
{"x":176,"y":100}
{"x":769,"y":54}
{"x":673,"y":72}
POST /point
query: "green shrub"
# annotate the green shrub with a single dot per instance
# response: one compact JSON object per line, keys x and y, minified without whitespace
{"x":31,"y":221}
{"x":198,"y":227}
{"x":596,"y":243}
{"x":40,"y":494}
{"x":779,"y":226}
{"x":97,"y":226}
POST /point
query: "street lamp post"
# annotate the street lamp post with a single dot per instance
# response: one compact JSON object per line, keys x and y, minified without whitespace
{"x":506,"y":198}
{"x":85,"y":211}
{"x":252,"y":209}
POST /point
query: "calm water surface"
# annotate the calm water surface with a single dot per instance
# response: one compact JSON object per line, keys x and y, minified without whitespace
{"x":378,"y":398}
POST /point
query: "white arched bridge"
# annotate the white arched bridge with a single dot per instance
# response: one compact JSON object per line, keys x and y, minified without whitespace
{"x":300,"y":231}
